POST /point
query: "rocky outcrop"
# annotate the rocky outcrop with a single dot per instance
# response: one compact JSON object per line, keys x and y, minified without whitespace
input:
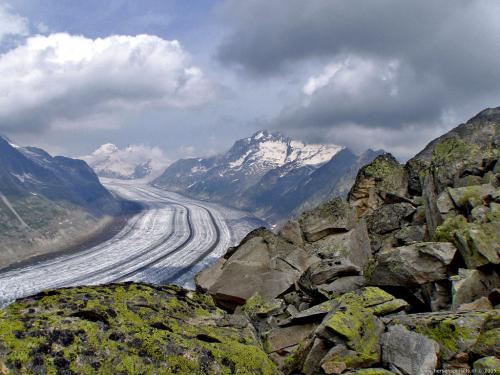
{"x":424,"y":233}
{"x":264,"y":263}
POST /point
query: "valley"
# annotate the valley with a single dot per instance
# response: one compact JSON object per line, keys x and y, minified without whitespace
{"x":171,"y":240}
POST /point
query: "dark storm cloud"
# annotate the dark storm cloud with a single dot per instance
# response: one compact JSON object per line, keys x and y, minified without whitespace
{"x":446,"y":35}
{"x":390,"y":64}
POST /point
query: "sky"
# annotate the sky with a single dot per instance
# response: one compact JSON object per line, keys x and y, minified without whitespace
{"x":191,"y":77}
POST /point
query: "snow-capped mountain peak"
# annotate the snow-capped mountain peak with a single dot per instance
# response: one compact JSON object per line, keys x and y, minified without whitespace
{"x":264,"y":151}
{"x":131,"y":162}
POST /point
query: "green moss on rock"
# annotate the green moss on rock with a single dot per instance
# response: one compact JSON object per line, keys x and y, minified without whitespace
{"x":127,"y":328}
{"x":487,"y":365}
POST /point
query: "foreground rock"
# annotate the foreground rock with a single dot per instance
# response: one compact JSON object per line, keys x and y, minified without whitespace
{"x":135,"y":329}
{"x":264,"y":263}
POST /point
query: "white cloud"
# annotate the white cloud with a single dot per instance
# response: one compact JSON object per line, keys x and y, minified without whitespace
{"x":11,"y":24}
{"x":62,"y":80}
{"x":316,"y":82}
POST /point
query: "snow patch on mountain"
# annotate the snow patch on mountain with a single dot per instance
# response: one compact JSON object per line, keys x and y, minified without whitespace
{"x":131,"y":162}
{"x":264,"y":151}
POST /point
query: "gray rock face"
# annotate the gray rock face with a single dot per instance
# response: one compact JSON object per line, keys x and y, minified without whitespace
{"x":292,"y":233}
{"x":472,"y":196}
{"x":470,"y":285}
{"x":341,"y":286}
{"x":326,"y":271}
{"x":383,"y":175}
{"x":283,"y":338}
{"x":409,"y":352}
{"x":329,"y":218}
{"x":389,"y":217}
{"x":265,"y":264}
{"x":353,"y":245}
{"x":410,"y":234}
{"x":206,"y":278}
{"x":412,"y":265}
{"x":456,"y":332}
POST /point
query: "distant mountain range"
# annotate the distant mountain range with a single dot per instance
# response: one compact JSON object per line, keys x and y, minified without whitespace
{"x":47,"y":202}
{"x":131,"y":162}
{"x":268,"y":174}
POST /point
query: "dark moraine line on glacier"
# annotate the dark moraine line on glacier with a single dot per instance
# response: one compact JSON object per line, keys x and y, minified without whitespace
{"x":166,"y":255}
{"x":203,"y":255}
{"x":198,"y":259}
{"x":132,"y":258}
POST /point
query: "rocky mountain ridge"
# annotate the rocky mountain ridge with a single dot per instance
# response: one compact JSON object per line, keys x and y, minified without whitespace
{"x":269,"y":174}
{"x":399,"y":278}
{"x":45,"y":201}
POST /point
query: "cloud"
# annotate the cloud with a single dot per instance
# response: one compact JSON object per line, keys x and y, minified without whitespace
{"x":66,"y":81}
{"x":382,"y":66}
{"x":363,"y":91}
{"x":11,"y":24}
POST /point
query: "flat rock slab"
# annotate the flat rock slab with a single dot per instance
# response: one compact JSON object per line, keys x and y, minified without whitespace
{"x":263,"y":264}
{"x":281,"y":338}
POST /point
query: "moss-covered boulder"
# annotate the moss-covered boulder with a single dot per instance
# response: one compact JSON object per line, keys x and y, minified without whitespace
{"x":126,"y":328}
{"x":487,"y":365}
{"x":382,"y":176}
{"x":479,"y":244}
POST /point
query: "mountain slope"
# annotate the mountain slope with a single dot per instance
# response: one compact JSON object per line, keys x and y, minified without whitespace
{"x":268,"y":174}
{"x":132,"y":162}
{"x":45,"y":201}
{"x":280,"y":194}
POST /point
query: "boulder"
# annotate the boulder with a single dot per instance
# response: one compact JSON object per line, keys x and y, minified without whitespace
{"x":263,"y":263}
{"x":469,"y":285}
{"x":292,"y":233}
{"x":376,"y":300}
{"x":353,"y":245}
{"x":482,"y":303}
{"x":444,"y":203}
{"x":326,"y":271}
{"x":474,"y":332}
{"x":313,"y":359}
{"x":281,"y":338}
{"x":389,"y":217}
{"x":479,"y":215}
{"x":472,"y":196}
{"x":487,"y":365}
{"x":410,"y":234}
{"x":411,"y":265}
{"x":328,"y":218}
{"x":206,"y":278}
{"x":342,"y":285}
{"x":383,"y":175}
{"x":479,"y":244}
{"x":408,"y":352}
{"x":433,"y":217}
